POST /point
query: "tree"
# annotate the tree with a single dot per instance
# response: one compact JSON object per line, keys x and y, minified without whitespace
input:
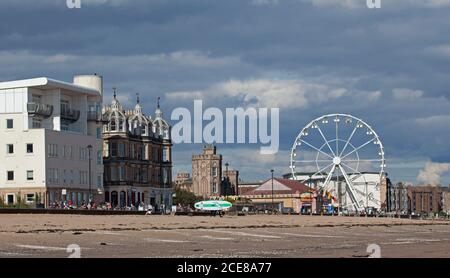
{"x":185,"y":198}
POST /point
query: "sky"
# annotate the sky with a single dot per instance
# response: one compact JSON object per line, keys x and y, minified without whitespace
{"x":388,"y":66}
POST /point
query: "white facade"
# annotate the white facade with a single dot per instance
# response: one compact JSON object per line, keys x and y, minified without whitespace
{"x":367,"y":188}
{"x":46,"y":127}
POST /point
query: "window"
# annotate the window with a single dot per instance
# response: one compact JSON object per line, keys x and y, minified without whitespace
{"x":10,"y":175}
{"x":114,"y":174}
{"x":122,"y":173}
{"x":99,"y":133}
{"x":64,"y":107}
{"x":99,"y":158}
{"x":214,"y":187}
{"x":83,"y":153}
{"x":30,"y":198}
{"x":53,"y":175}
{"x":132,"y":151}
{"x":166,"y":176}
{"x":64,"y":176}
{"x":71,"y":176}
{"x":145,"y":174}
{"x":165,"y":156}
{"x":121,"y":149}
{"x":52,"y":150}
{"x":30,"y":175}
{"x":9,"y":124}
{"x":64,"y":127}
{"x":83,"y":177}
{"x":36,"y":98}
{"x":37,"y":123}
{"x":9,"y":148}
{"x":214,"y":171}
{"x":105,"y":149}
{"x":10,"y":199}
{"x":113,"y":149}
{"x":99,"y":181}
{"x":30,"y":148}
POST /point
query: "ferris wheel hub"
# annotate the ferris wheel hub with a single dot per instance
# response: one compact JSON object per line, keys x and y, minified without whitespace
{"x":337,"y":161}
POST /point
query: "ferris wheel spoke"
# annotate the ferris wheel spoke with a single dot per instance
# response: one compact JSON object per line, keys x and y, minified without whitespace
{"x":303,"y":141}
{"x":358,"y":148}
{"x":328,"y":179}
{"x":356,"y":173}
{"x":351,"y":188}
{"x":325,"y":139}
{"x":349,"y":139}
{"x":311,"y":161}
{"x":318,"y":172}
{"x":337,"y":135}
{"x":364,"y":160}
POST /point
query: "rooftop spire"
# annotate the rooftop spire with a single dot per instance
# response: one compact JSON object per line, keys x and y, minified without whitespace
{"x":114,"y":89}
{"x":158,"y":111}
{"x":137,"y":98}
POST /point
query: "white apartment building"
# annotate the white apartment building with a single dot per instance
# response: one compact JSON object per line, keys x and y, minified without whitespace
{"x":49,"y":129}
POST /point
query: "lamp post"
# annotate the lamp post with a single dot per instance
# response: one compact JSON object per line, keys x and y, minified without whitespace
{"x":273,"y":206}
{"x":227,"y":180}
{"x":89,"y":147}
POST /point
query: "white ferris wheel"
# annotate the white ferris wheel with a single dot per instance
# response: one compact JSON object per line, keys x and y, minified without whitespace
{"x":343,"y":156}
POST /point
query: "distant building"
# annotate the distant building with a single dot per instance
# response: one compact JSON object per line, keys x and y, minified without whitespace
{"x":137,"y":156}
{"x":425,"y":199}
{"x":446,"y":200}
{"x":397,"y":200}
{"x":285,"y":194}
{"x":230,"y":182}
{"x":385,"y":184}
{"x":207,"y":173}
{"x":245,"y":187}
{"x":183,"y":181}
{"x":51,"y":141}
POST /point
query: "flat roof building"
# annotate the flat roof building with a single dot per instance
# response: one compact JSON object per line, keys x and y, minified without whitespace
{"x":50,"y":132}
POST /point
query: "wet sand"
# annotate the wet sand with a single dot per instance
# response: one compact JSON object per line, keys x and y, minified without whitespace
{"x":264,"y":236}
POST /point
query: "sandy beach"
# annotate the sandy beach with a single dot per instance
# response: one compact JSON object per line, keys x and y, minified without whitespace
{"x":266,"y":236}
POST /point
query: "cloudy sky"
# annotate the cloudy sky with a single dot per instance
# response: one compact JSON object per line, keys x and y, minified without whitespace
{"x":389,"y":66}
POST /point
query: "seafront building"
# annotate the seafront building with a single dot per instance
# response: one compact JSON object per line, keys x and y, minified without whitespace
{"x":283,"y":195}
{"x":51,"y":145}
{"x":137,"y":155}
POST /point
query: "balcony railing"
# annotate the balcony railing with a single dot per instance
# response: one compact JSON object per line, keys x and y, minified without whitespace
{"x":70,"y":115}
{"x":38,"y":109}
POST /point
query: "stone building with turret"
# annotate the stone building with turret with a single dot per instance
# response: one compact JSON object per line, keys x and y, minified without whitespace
{"x":207,"y":173}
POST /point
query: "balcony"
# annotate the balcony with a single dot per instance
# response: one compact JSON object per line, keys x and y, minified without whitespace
{"x":38,"y":109}
{"x":70,"y":115}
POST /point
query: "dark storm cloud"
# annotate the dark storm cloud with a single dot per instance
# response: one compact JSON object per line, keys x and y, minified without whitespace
{"x":161,"y":47}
